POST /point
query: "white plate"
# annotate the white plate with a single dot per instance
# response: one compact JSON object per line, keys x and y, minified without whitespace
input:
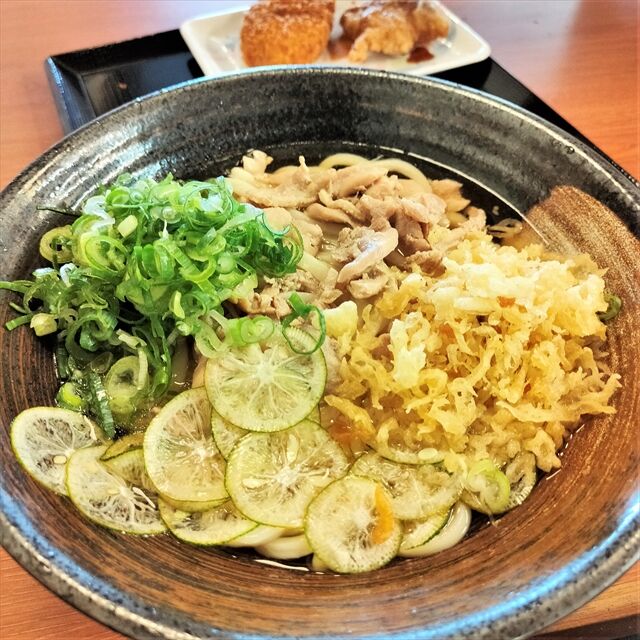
{"x":214,"y":41}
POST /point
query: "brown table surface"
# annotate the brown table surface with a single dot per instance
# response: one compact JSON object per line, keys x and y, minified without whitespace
{"x":580,"y":56}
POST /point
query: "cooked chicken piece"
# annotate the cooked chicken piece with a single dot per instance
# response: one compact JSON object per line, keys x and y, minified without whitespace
{"x":429,"y":209}
{"x":445,"y":188}
{"x":378,"y":211}
{"x":412,"y":237}
{"x":330,"y":352}
{"x":431,"y":260}
{"x":409,"y":188}
{"x":311,"y":233}
{"x":366,"y":287}
{"x":286,"y":31}
{"x":277,"y":218}
{"x":318,"y":211}
{"x":347,"y":246}
{"x":383,"y":187}
{"x":273,"y":298}
{"x":284,"y":195}
{"x":392,"y":27}
{"x":358,"y":177}
{"x":341,"y":203}
{"x":373,"y":249}
{"x":256,"y":162}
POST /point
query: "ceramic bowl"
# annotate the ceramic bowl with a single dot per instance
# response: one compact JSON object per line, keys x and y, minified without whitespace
{"x":576,"y":533}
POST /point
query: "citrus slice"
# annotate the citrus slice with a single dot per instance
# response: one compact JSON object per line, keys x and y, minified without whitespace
{"x":267,"y":386}
{"x":417,"y":491}
{"x":262,"y":534}
{"x":286,"y":548}
{"x":419,"y":532}
{"x":44,"y":438}
{"x":487,"y":489}
{"x":522,"y":476}
{"x":130,"y":467}
{"x":351,"y":527}
{"x":272,"y":477}
{"x":124,"y":444}
{"x":225,"y":434}
{"x":181,"y":457}
{"x":454,"y":530}
{"x":315,"y":415}
{"x":216,"y":526}
{"x":103,"y":496}
{"x":193,"y":506}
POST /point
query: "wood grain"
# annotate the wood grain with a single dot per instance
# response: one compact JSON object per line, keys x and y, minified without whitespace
{"x":580,"y":57}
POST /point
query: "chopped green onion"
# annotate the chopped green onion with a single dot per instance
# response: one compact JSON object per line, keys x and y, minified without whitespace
{"x":43,"y":324}
{"x":127,"y":226}
{"x":300,"y":309}
{"x":613,"y":309}
{"x":100,"y":404}
{"x":146,"y":262}
{"x":68,"y":397}
{"x":243,"y":331}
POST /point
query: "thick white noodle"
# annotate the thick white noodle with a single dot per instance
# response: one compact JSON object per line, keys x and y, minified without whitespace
{"x":451,"y":534}
{"x":286,"y":548}
{"x":262,"y":534}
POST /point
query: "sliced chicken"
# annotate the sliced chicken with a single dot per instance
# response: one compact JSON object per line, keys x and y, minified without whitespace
{"x":311,"y":233}
{"x":351,"y":180}
{"x":411,"y":234}
{"x":373,"y":250}
{"x":378,"y":210}
{"x":426,"y":208}
{"x":367,"y":287}
{"x":319,"y":212}
{"x":341,"y":203}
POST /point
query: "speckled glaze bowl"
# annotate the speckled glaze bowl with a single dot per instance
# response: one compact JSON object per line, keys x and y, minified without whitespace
{"x":573,"y":537}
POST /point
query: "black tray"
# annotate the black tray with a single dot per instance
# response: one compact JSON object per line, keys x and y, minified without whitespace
{"x":90,"y":82}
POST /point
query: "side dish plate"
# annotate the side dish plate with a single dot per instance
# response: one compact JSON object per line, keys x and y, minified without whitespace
{"x":214,"y":41}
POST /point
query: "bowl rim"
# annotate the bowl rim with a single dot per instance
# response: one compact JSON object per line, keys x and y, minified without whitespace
{"x":544,"y":602}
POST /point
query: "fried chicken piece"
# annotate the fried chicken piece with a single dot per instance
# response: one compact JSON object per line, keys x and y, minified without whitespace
{"x":392,"y":27}
{"x":286,"y":31}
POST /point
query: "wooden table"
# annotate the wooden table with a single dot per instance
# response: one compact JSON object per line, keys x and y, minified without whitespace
{"x":581,"y":57}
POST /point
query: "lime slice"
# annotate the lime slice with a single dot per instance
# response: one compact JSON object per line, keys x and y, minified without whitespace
{"x":110,"y":500}
{"x":193,"y":506}
{"x":216,"y":526}
{"x":225,"y":434}
{"x":522,"y":476}
{"x":315,"y":415}
{"x":351,"y":527}
{"x":181,"y":457}
{"x":417,"y":491}
{"x":124,"y":444}
{"x":44,"y":438}
{"x":267,"y":387}
{"x":130,"y":467}
{"x":262,"y":534}
{"x":419,"y":532}
{"x":286,"y":548}
{"x":272,"y":477}
{"x":454,"y":530}
{"x":487,"y":489}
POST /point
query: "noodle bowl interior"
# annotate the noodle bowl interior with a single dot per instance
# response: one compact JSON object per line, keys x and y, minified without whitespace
{"x":384,"y":365}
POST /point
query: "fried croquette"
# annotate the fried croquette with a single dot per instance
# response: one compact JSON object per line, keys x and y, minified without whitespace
{"x":286,"y":31}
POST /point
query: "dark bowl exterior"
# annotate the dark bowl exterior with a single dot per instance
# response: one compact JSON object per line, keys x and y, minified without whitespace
{"x":575,"y":535}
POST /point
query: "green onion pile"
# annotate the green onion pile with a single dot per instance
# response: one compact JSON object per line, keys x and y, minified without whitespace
{"x":144,"y":265}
